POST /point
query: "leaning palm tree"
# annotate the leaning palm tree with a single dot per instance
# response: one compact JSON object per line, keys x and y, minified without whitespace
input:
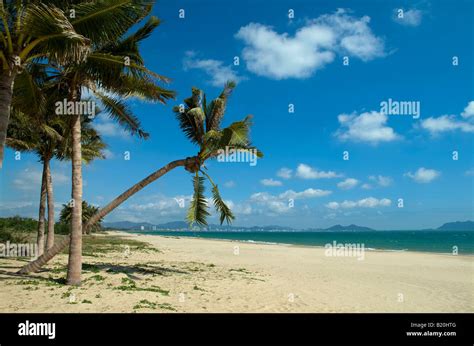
{"x":29,"y":31}
{"x":201,"y":123}
{"x":112,"y":70}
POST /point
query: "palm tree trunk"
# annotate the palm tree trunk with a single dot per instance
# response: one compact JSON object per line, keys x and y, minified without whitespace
{"x":49,"y":189}
{"x":58,"y":247}
{"x":6,"y":91}
{"x":75,"y":249}
{"x":42,"y":208}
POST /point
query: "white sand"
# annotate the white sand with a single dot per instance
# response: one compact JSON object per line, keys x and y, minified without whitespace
{"x":204,"y":275}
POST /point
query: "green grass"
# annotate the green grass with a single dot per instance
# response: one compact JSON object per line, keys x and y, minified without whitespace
{"x":96,"y":277}
{"x":145,"y":304}
{"x":166,"y":306}
{"x":130,"y":285}
{"x":93,"y":245}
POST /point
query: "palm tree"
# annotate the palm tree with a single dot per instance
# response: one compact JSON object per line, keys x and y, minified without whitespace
{"x":31,"y":31}
{"x":88,"y":210}
{"x":114,"y":66}
{"x":48,"y":138}
{"x":201,"y":125}
{"x":112,"y":70}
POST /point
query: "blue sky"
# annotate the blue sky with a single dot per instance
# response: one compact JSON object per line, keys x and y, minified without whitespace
{"x":337,"y":108}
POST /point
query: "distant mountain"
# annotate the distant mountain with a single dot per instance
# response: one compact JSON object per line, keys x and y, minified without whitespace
{"x":183,"y":226}
{"x":128,"y":225}
{"x":457,"y":226}
{"x":348,"y":228}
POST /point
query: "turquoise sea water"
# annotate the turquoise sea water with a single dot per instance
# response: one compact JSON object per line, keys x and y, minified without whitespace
{"x":425,"y":241}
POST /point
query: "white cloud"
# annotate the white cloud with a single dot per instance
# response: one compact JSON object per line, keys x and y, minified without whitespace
{"x":30,"y":179}
{"x":366,"y":186}
{"x":280,"y":203}
{"x":306,"y":172}
{"x":308,"y":193}
{"x":367,"y":127}
{"x":446,"y":123}
{"x":423,"y":175}
{"x":469,"y":110}
{"x":347,"y":184}
{"x":281,"y":56}
{"x":218,"y":73}
{"x":271,"y":182}
{"x":270,"y":202}
{"x":411,"y":17}
{"x":151,"y":207}
{"x":381,"y":180}
{"x":284,"y":173}
{"x":470,"y":172}
{"x":229,"y":183}
{"x":369,"y":202}
{"x":108,"y":128}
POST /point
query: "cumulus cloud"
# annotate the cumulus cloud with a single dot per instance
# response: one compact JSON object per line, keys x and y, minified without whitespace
{"x":307,"y":172}
{"x":308,"y":193}
{"x":284,"y":173}
{"x":280,"y":203}
{"x":347,"y":184}
{"x":30,"y":179}
{"x":410,"y":17}
{"x":469,"y":110}
{"x":218,"y":72}
{"x":270,"y":182}
{"x":229,"y":183}
{"x":445,"y":123}
{"x":270,"y":202}
{"x":369,"y":202}
{"x":368,"y":127}
{"x":423,"y":175}
{"x":109,"y":128}
{"x":280,"y":55}
{"x":451,"y":123}
{"x":381,"y":180}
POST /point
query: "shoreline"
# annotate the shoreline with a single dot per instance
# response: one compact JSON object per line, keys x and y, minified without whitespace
{"x":250,"y":241}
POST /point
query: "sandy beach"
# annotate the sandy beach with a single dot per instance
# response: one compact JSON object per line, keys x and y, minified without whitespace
{"x":200,"y":275}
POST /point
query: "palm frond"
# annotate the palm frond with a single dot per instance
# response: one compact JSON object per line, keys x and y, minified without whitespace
{"x":120,"y":112}
{"x":237,"y":134}
{"x":197,"y":212}
{"x":51,"y":33}
{"x":187,"y":124}
{"x":106,"y":20}
{"x":27,"y":91}
{"x":217,"y":107}
{"x":142,"y":88}
{"x":222,"y":208}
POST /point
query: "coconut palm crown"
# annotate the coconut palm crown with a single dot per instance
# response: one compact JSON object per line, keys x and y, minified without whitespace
{"x":201,"y":123}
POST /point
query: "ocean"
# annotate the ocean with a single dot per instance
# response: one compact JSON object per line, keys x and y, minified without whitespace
{"x":423,"y":241}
